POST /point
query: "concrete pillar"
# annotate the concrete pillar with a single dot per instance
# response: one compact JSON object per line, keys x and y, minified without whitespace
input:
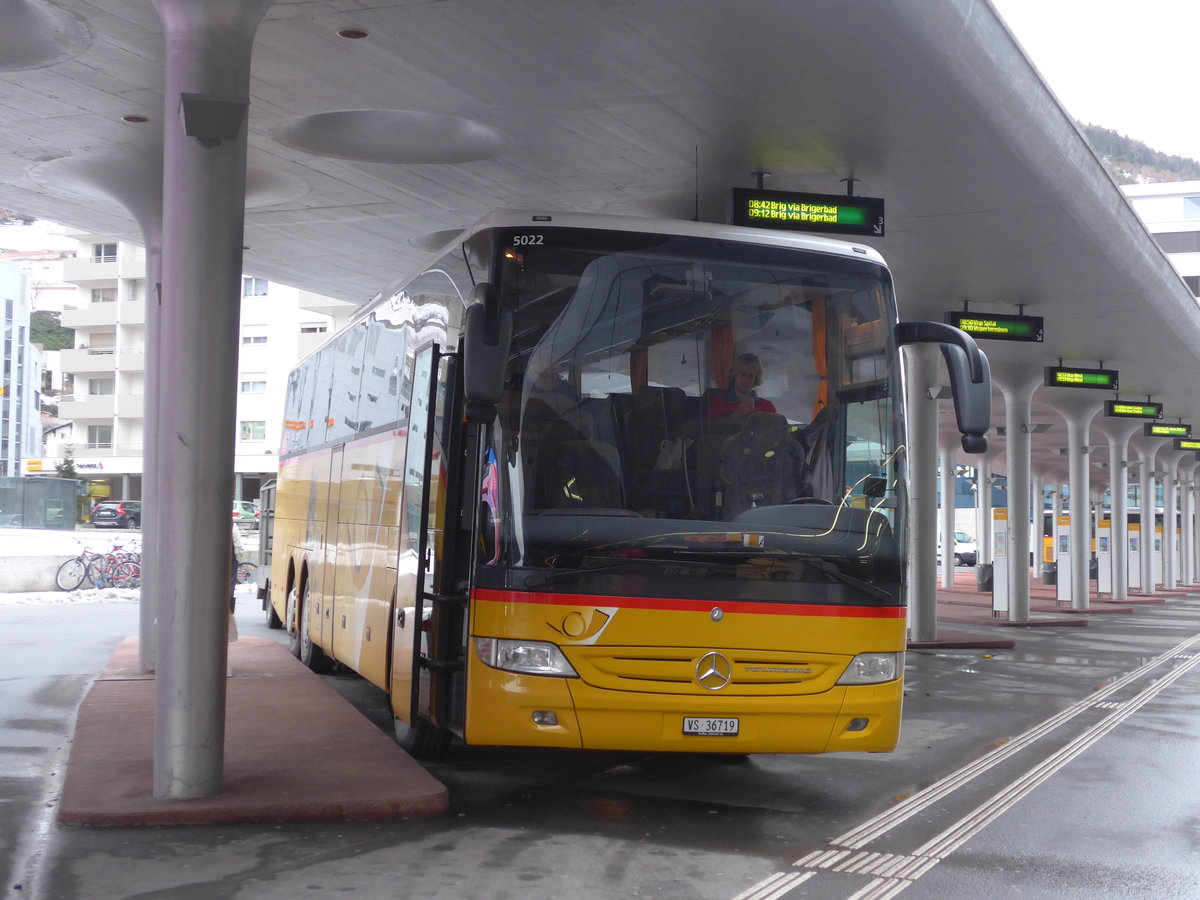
{"x":1194,"y":519}
{"x":983,"y":500}
{"x":1017,"y":383}
{"x":1118,"y":432}
{"x":1147,"y":448}
{"x":1037,"y":518}
{"x":947,"y":444}
{"x":1169,"y":460}
{"x":1187,"y":469}
{"x":1078,"y":409}
{"x":132,"y":177}
{"x":921,"y":365}
{"x":208,"y":45}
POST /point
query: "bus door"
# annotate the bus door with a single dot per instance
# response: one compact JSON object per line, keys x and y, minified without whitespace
{"x":423,"y":482}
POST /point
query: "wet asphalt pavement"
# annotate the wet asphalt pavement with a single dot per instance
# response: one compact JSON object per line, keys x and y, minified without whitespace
{"x":1063,"y":768}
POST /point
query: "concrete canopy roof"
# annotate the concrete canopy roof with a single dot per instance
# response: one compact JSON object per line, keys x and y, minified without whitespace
{"x":632,"y":106}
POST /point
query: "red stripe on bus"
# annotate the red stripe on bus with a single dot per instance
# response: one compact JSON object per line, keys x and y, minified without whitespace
{"x":742,"y":606}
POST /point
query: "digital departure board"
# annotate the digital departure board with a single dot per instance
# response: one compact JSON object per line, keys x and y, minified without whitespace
{"x":1154,"y":430}
{"x":1187,"y":444}
{"x":997,"y":327}
{"x":1065,"y":376}
{"x":1123,"y":409}
{"x":824,"y":213}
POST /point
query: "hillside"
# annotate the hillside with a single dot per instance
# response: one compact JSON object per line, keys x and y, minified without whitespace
{"x":1130,"y":161}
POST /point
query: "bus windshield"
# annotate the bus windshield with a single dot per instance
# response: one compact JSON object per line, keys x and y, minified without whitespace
{"x":681,"y":406}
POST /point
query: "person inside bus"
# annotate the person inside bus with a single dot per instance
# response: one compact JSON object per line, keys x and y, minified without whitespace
{"x":739,"y":400}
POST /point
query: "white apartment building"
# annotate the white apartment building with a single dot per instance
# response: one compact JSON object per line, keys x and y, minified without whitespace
{"x":21,"y":376}
{"x":279,"y":325}
{"x":1171,"y":212}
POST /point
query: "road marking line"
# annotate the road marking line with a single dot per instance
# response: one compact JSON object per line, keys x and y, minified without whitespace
{"x":870,"y":830}
{"x":776,"y":886}
{"x":898,"y":872}
{"x":933,"y":851}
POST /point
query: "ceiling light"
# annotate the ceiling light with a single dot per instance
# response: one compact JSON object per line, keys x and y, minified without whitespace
{"x":134,"y":119}
{"x":353,"y":34}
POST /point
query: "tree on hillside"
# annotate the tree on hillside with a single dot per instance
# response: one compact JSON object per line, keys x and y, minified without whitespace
{"x":45,"y":328}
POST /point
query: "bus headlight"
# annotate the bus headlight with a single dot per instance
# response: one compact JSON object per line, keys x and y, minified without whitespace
{"x":525,"y":657}
{"x":873,"y":668}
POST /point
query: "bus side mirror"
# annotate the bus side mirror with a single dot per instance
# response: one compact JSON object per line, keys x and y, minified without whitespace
{"x":970,"y":377}
{"x":487,"y":336}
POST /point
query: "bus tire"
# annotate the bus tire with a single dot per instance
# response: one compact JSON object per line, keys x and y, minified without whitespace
{"x":421,"y":740}
{"x":272,"y":617}
{"x":310,"y":654}
{"x":293,"y":623}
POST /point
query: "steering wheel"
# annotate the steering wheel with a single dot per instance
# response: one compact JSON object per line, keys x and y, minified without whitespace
{"x":803,"y":501}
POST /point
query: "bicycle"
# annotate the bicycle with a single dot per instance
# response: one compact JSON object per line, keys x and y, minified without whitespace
{"x":71,"y":574}
{"x":244,"y":573}
{"x":112,"y":569}
{"x":117,"y":568}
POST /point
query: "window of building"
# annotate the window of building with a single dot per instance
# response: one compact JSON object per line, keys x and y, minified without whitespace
{"x":1179,"y":241}
{"x":1193,"y":282}
{"x":104,"y":253}
{"x":1191,"y":207}
{"x":104,"y":295}
{"x":101,"y":386}
{"x":313,"y":328}
{"x":99,"y":437}
{"x":254,"y":431}
{"x":254,"y":287}
{"x":248,"y":339}
{"x":253,"y":385}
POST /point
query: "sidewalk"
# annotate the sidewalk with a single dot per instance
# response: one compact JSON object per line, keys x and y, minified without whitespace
{"x":284,"y":728}
{"x":965,"y":604}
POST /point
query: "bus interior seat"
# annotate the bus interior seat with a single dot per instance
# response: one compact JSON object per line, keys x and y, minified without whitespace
{"x":646,"y":421}
{"x":761,"y":465}
{"x":573,"y":471}
{"x":704,"y":438}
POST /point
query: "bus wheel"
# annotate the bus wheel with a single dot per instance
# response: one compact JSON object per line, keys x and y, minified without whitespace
{"x":310,"y":654}
{"x":293,"y":623}
{"x":421,"y":739}
{"x":273,"y":620}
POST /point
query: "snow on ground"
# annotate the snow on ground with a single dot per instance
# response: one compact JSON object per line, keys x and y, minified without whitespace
{"x":55,"y":598}
{"x":16,"y":542}
{"x":245,"y":592}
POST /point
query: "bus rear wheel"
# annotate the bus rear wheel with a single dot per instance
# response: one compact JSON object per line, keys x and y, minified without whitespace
{"x":310,"y":654}
{"x":293,"y":623}
{"x":272,"y":617}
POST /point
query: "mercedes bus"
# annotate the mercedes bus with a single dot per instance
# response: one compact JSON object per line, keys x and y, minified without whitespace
{"x":507,"y":498}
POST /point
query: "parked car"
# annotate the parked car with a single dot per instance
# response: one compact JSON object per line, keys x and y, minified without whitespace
{"x":118,"y":513}
{"x":965,"y":551}
{"x":245,"y":514}
{"x":11,"y":520}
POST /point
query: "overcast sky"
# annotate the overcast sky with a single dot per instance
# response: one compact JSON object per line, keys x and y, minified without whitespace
{"x":1128,"y":66}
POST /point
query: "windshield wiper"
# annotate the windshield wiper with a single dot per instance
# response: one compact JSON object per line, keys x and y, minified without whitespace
{"x":609,"y":564}
{"x":831,"y":571}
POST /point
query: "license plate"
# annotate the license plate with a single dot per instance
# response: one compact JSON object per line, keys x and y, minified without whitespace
{"x":710,"y":727}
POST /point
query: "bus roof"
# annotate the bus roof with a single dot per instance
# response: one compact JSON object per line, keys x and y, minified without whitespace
{"x":515,"y":218}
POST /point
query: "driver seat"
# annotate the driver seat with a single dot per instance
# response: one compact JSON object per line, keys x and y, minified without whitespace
{"x":761,"y":465}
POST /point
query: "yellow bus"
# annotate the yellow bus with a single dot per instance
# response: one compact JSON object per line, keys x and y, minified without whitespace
{"x":520,"y":493}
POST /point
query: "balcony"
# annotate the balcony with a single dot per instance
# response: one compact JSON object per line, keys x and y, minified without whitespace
{"x":130,"y":406}
{"x":83,"y":271}
{"x":83,"y":361}
{"x":131,"y":359}
{"x":93,"y":315}
{"x":132,"y":312}
{"x":87,"y":406}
